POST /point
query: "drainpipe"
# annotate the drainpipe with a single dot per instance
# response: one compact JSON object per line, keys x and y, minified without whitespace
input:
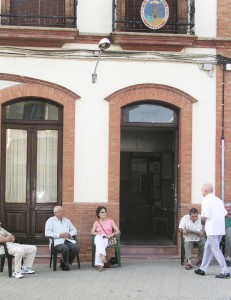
{"x":223,"y":137}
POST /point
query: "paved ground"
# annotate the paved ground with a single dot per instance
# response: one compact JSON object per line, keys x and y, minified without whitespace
{"x":143,"y":279}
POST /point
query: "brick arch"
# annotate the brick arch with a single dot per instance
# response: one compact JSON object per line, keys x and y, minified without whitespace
{"x":151,"y":92}
{"x":29,"y":87}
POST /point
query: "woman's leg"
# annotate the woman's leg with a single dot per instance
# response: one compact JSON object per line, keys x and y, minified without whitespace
{"x":100,"y":250}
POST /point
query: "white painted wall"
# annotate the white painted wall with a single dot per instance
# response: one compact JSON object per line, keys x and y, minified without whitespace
{"x":94,"y":16}
{"x":5,"y":84}
{"x":206,"y":18}
{"x":204,"y":139}
{"x":92,"y":114}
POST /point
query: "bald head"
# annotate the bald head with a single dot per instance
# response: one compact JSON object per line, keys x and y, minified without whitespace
{"x":207,"y":188}
{"x":228,"y":208}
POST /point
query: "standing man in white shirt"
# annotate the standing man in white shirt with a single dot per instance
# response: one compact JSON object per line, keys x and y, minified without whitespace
{"x":62,"y":230}
{"x":190,"y":226}
{"x":213,"y":216}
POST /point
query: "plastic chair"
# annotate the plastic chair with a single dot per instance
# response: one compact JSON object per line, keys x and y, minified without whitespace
{"x":54,"y":254}
{"x":9,"y":259}
{"x":116,"y":247}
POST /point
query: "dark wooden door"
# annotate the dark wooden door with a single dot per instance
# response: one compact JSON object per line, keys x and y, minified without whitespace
{"x":148,"y":197}
{"x":31,"y":181}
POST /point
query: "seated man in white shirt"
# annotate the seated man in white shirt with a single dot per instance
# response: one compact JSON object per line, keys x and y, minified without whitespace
{"x":19,"y":251}
{"x":62,"y":230}
{"x":190,"y":226}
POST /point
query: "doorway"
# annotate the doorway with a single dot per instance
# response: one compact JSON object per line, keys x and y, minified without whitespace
{"x":31,"y":167}
{"x":148,"y":175}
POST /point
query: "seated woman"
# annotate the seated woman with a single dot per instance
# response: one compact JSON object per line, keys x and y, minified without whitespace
{"x":103,"y":229}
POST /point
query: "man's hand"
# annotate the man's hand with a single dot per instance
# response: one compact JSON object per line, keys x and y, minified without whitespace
{"x":10,"y":238}
{"x":203,"y":220}
{"x":64,"y":235}
{"x":201,"y":233}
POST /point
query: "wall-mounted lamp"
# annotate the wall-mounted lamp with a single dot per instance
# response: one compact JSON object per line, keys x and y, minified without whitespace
{"x":103,"y":45}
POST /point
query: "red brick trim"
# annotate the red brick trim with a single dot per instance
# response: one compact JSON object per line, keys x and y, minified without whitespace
{"x":147,"y":91}
{"x":28,"y":87}
{"x":26,"y":36}
{"x":152,"y":92}
{"x":25,"y":79}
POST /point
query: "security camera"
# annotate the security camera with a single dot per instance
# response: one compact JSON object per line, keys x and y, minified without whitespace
{"x":104,"y":44}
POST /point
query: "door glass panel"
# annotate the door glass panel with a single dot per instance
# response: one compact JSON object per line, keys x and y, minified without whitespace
{"x":47,"y":153}
{"x":16,"y":162}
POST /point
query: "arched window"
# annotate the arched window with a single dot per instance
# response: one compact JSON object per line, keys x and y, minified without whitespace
{"x":31,"y":109}
{"x":148,"y":113}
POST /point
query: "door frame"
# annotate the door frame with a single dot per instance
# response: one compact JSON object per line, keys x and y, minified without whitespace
{"x":169,"y":96}
{"x":29,"y":217}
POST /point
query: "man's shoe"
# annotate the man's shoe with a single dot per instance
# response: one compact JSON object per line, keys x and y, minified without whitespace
{"x":25,"y":270}
{"x":61,"y":264}
{"x":199,"y":272}
{"x":65,"y":268}
{"x":17,"y":275}
{"x":223,"y":276}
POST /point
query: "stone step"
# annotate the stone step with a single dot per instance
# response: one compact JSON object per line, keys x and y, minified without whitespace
{"x":166,"y":251}
{"x":127,"y":251}
{"x":43,"y":254}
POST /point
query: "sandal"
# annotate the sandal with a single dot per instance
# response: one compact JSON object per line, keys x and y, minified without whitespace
{"x":100,"y":269}
{"x":189,"y":267}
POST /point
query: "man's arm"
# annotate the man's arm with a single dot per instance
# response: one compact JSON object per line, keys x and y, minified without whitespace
{"x":203,"y":220}
{"x":181,"y":230}
{"x":7,"y":239}
{"x":182,"y":226}
{"x":72,"y":229}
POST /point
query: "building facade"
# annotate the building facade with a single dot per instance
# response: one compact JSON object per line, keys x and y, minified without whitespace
{"x":138,"y":127}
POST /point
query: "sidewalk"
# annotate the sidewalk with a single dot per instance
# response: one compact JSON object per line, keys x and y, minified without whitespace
{"x":159,"y":279}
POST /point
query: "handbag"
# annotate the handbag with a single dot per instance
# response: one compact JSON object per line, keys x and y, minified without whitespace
{"x":112,"y":240}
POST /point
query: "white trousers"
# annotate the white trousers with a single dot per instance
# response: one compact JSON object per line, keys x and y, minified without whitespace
{"x":27,"y":252}
{"x":100,"y":249}
{"x":212,"y":248}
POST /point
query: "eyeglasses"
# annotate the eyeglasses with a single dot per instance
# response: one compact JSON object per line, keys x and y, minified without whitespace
{"x":103,"y":212}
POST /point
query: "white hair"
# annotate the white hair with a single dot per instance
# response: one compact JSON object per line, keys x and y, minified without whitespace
{"x":57,"y":208}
